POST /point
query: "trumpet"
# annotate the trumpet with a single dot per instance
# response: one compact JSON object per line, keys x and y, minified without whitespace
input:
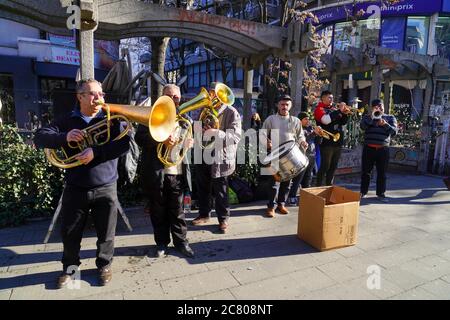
{"x":353,"y":110}
{"x":377,"y":115}
{"x":328,"y":135}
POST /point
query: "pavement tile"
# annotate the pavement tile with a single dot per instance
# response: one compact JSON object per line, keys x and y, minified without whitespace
{"x":199,"y":283}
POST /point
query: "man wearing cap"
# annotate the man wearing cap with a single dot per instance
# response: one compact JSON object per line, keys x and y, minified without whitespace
{"x":332,"y":119}
{"x":280,"y":128}
{"x":304,"y":179}
{"x":378,"y":130}
{"x":212,"y":179}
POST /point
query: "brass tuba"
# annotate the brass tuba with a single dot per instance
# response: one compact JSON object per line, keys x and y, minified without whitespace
{"x":222,"y":95}
{"x":173,"y":155}
{"x":160,"y":119}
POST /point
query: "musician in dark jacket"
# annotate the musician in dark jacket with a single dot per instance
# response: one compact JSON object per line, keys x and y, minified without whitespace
{"x":312,"y":136}
{"x":378,"y":129}
{"x":90,"y":186}
{"x":330,"y":118}
{"x":165,"y":188}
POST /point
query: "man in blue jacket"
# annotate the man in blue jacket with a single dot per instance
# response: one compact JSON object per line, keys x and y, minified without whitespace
{"x":89,"y":187}
{"x":378,"y":129}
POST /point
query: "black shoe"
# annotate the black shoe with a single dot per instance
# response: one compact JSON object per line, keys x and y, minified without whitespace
{"x":63,"y":280}
{"x":383,"y":198}
{"x":185,"y":250}
{"x":105,"y":276}
{"x":161,"y":251}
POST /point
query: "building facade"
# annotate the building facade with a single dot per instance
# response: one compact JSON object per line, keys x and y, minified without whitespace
{"x":38,"y":72}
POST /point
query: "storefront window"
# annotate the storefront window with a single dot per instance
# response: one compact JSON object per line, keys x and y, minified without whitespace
{"x":7,"y":108}
{"x":443,"y":37}
{"x":327,"y":34}
{"x":417,"y":34}
{"x":356,"y":34}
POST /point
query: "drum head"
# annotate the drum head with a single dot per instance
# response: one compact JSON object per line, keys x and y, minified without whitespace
{"x":282,"y":150}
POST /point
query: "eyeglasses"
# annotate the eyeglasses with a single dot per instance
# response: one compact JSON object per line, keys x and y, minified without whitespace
{"x":93,"y":93}
{"x":174,"y":97}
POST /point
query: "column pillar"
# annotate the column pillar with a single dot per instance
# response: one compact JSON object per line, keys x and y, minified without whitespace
{"x":298,"y":65}
{"x":248,"y":90}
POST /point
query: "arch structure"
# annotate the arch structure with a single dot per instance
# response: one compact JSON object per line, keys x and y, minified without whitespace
{"x":118,"y":19}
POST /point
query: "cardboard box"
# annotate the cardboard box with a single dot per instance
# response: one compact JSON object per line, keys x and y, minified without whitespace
{"x":328,"y":217}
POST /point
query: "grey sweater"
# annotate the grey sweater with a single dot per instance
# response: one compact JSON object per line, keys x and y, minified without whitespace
{"x":378,"y":135}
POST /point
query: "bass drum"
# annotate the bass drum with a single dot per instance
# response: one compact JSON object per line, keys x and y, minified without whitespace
{"x":286,"y":161}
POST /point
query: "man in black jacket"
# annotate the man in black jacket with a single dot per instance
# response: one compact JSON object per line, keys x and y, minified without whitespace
{"x":330,"y":118}
{"x":165,"y":188}
{"x":378,"y":129}
{"x":91,"y":186}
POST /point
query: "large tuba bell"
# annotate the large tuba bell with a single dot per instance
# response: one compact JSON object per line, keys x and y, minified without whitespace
{"x":160,"y":119}
{"x":222,"y":95}
{"x":173,"y":155}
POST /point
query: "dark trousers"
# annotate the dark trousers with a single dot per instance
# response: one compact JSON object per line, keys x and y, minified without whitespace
{"x":102,"y":202}
{"x":208,"y":187}
{"x":304,"y":178}
{"x":329,"y":158}
{"x":166,"y":211}
{"x":379,"y":157}
{"x":278,"y":193}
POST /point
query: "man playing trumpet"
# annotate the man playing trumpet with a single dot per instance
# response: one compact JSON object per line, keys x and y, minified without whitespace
{"x":378,"y":129}
{"x":331,"y":119}
{"x":89,"y":186}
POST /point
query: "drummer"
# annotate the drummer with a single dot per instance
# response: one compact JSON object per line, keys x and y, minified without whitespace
{"x":280,"y":128}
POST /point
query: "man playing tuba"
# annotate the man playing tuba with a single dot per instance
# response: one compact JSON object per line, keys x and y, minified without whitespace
{"x":165,"y":186}
{"x":212,"y":178}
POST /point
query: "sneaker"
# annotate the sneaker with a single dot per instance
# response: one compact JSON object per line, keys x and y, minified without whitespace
{"x":292,"y":201}
{"x":362,"y":195}
{"x":383,"y":198}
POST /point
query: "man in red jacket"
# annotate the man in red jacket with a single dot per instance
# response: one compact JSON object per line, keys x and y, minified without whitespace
{"x":332,"y":119}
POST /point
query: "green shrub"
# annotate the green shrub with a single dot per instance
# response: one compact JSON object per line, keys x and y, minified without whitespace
{"x":29,"y":185}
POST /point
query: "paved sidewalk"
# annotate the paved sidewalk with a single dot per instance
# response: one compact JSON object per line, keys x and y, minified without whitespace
{"x":260,"y":258}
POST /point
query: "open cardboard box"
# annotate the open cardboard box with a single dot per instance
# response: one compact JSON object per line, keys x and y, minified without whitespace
{"x":328,"y":217}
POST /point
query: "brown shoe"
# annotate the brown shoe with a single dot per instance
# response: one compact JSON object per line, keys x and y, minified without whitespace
{"x":63,"y":280}
{"x":200,"y":220}
{"x":270,"y":212}
{"x":282,"y":210}
{"x":223,"y":226}
{"x":105,"y":276}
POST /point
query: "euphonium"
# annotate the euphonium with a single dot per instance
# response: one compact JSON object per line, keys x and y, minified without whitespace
{"x":173,"y":155}
{"x":159,"y":119}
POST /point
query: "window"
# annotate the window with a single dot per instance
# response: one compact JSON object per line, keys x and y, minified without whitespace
{"x":417,"y":34}
{"x":327,"y":34}
{"x":346,"y":34}
{"x":7,"y":109}
{"x":442,"y":37}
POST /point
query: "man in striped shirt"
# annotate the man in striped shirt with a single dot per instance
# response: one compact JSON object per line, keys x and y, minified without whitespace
{"x":378,"y":129}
